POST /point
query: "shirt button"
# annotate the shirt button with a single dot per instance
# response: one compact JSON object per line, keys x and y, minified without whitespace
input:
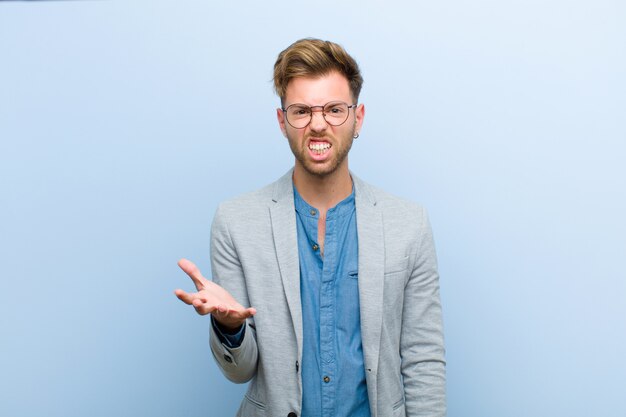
{"x":315,"y":247}
{"x":326,"y":379}
{"x":313,"y":212}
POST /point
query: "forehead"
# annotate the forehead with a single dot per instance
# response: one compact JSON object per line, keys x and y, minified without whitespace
{"x":315,"y":91}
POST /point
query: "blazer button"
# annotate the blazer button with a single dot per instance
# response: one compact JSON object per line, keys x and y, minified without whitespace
{"x":292,"y":414}
{"x":228,"y":358}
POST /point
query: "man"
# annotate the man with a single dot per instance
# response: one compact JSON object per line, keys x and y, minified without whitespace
{"x":325,"y":290}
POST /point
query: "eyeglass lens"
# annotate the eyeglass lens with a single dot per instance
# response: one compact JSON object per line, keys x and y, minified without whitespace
{"x":299,"y":115}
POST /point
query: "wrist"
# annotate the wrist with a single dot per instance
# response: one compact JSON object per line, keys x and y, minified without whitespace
{"x":228,"y":328}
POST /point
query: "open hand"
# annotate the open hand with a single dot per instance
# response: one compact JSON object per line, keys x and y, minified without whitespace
{"x":212,"y":299}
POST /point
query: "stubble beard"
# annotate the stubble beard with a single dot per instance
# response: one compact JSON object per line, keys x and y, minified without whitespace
{"x":340,"y":149}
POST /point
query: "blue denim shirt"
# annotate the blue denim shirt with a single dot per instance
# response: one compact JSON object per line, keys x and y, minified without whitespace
{"x":333,"y":372}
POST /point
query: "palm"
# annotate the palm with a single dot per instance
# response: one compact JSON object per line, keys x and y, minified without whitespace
{"x":212,"y":299}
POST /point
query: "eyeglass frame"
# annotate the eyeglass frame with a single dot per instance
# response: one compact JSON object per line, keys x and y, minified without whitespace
{"x":284,"y":109}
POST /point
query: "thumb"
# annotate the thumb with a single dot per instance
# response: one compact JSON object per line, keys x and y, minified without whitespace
{"x":194,"y":273}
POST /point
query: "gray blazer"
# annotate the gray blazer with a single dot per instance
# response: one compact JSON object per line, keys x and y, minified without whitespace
{"x":254,"y":255}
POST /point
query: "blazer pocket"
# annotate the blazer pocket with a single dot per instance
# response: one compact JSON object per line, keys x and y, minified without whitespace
{"x":398,"y":408}
{"x":255,"y":402}
{"x":396,"y":265}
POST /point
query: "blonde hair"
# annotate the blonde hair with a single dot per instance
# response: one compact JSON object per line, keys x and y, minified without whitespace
{"x":315,"y":58}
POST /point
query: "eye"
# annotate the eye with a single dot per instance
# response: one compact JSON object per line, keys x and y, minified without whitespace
{"x":335,"y":109}
{"x":299,"y":111}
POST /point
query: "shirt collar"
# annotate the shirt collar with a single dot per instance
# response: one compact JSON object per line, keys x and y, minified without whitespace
{"x":344,"y":207}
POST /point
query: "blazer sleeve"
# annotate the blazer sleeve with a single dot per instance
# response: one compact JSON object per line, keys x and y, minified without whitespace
{"x":238,"y":364}
{"x":421,"y":342}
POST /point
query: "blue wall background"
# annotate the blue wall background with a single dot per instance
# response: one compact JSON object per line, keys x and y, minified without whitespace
{"x":124,"y":123}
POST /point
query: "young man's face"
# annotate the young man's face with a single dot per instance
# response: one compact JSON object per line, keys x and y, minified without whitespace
{"x":320,"y":148}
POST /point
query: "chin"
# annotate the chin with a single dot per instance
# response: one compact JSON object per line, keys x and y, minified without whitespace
{"x":321,"y":170}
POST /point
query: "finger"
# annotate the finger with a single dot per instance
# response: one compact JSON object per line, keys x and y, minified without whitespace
{"x":202,"y":308}
{"x":248,"y":312}
{"x":239,"y":313}
{"x":194,"y":273}
{"x":184,"y":296}
{"x":245,"y":312}
{"x":188,"y":298}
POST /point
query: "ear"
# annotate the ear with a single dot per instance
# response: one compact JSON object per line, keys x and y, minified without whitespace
{"x":280,"y":116}
{"x":359,"y":113}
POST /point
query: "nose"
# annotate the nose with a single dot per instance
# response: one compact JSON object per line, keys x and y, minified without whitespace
{"x":318,"y":122}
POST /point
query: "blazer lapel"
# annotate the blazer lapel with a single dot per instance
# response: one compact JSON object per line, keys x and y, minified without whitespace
{"x":283,"y":217}
{"x":371,"y":279}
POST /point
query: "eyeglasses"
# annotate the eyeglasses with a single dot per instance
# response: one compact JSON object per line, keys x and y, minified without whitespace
{"x":300,"y":115}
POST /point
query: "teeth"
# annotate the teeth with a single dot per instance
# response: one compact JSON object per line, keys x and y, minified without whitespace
{"x":319,"y":147}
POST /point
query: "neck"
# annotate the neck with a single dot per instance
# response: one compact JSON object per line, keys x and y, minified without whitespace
{"x":323,"y":192}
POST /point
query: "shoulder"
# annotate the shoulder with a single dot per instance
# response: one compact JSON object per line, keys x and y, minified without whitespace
{"x":246,"y":203}
{"x":405,"y":223}
{"x":392,"y":206}
{"x":254,"y":204}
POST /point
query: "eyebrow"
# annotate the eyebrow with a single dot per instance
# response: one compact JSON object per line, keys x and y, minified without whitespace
{"x":317,"y":105}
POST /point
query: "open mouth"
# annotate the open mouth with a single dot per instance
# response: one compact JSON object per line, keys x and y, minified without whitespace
{"x":319,"y":148}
